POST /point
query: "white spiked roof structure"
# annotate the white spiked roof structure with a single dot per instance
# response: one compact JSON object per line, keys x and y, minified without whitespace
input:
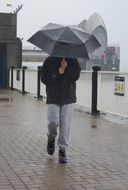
{"x":96,"y":26}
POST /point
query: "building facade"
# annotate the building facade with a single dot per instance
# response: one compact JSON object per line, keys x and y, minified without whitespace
{"x":109,"y":60}
{"x":10,"y":47}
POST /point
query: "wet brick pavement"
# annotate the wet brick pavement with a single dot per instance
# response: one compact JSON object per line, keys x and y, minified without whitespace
{"x":98,"y":151}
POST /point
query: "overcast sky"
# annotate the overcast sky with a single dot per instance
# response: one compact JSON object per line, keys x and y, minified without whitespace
{"x":35,"y":14}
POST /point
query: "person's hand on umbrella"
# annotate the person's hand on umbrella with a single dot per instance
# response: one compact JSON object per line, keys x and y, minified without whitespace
{"x":63,"y":66}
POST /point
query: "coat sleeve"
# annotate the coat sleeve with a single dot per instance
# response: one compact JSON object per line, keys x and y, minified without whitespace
{"x":48,"y":77}
{"x":73,"y":71}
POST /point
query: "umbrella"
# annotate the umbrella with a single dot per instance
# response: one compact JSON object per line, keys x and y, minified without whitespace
{"x":65,"y":41}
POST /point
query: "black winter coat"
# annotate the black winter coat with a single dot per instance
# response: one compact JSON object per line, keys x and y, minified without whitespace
{"x":60,"y":88}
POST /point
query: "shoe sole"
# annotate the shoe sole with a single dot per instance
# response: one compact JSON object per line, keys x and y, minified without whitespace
{"x":63,"y":160}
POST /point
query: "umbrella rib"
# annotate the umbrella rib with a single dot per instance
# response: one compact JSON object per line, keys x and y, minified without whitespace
{"x":56,"y":41}
{"x":52,"y":30}
{"x":61,"y":41}
{"x":79,"y":35}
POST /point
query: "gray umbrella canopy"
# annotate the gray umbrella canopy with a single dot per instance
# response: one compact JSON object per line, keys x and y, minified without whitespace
{"x":65,"y":41}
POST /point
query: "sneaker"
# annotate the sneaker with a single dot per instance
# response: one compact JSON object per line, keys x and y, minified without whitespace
{"x":51,"y":146}
{"x":62,"y":156}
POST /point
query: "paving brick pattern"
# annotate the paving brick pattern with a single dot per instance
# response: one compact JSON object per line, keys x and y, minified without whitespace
{"x":98,"y":151}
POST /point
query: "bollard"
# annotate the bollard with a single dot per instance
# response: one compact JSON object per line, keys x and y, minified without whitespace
{"x":12,"y":78}
{"x":38,"y":83}
{"x":23,"y":80}
{"x":94,"y":110}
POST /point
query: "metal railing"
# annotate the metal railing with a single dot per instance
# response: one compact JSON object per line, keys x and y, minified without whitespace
{"x":108,"y":100}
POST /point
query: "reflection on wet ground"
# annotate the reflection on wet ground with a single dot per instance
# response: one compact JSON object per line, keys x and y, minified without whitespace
{"x":98,"y":150}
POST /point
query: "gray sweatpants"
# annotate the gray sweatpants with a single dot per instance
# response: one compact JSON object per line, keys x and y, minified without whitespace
{"x":59,"y":116}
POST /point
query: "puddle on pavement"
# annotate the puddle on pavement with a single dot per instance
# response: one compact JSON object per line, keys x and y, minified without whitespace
{"x":94,"y":121}
{"x":116,"y":119}
{"x":94,"y":126}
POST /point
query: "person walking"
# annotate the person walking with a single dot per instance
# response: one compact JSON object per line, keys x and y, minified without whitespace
{"x":60,"y":76}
